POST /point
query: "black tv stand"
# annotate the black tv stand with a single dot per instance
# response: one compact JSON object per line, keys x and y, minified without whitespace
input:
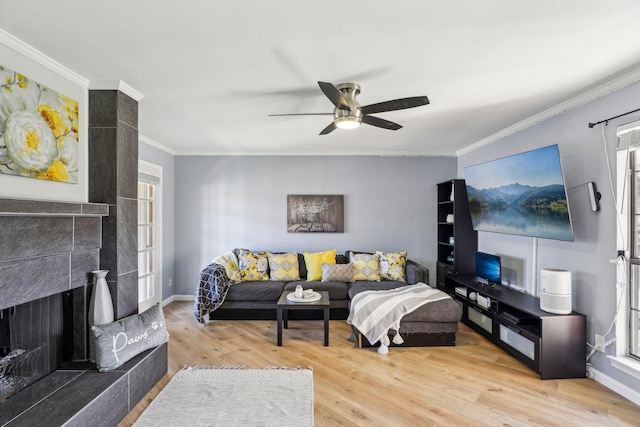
{"x":553,"y":345}
{"x":488,"y":284}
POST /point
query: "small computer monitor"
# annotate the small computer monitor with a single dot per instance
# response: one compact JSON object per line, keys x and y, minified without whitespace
{"x":488,"y":268}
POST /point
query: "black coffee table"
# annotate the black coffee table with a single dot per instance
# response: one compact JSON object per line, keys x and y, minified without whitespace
{"x":284,"y":305}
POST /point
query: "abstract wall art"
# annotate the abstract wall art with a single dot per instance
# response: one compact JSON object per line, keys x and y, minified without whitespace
{"x":315,"y":213}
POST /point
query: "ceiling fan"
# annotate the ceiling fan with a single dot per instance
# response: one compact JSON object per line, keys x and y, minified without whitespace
{"x":349,"y":114}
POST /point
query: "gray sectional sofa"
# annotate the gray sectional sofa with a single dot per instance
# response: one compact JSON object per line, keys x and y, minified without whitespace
{"x":433,"y":324}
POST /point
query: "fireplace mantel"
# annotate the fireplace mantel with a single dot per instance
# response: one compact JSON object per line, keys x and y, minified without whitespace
{"x":22,"y":207}
{"x":47,"y":247}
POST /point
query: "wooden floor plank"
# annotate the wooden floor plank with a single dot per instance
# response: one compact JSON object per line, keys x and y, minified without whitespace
{"x":472,"y":384}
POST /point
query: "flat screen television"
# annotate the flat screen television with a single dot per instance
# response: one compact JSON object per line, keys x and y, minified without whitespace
{"x":488,"y":268}
{"x":523,"y":194}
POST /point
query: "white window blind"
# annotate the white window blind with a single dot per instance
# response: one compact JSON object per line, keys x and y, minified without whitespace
{"x":629,"y":136}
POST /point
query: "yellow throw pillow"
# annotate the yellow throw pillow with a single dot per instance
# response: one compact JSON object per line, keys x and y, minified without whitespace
{"x":254,"y":266}
{"x":393,"y":265}
{"x":314,"y":260}
{"x":284,"y":267}
{"x":367,"y":266}
{"x":230,"y":264}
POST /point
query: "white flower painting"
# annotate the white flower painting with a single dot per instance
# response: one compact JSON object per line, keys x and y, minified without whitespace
{"x":38,"y":130}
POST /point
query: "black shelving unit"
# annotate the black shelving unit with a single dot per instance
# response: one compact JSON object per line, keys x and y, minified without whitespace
{"x":552,"y":345}
{"x":457,"y":242}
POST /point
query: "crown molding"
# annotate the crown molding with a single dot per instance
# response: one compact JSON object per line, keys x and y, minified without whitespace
{"x":34,"y":54}
{"x":116,"y":85}
{"x":156,"y":144}
{"x":588,"y":96}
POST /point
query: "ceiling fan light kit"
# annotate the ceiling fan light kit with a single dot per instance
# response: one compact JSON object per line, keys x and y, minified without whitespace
{"x":348,"y":114}
{"x":351,"y":117}
{"x":349,"y":122}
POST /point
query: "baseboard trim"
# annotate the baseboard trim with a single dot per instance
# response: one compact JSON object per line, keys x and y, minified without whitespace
{"x":173,"y":298}
{"x":617,"y":386}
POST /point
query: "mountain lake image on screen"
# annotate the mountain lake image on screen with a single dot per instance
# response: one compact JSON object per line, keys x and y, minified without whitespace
{"x":523,"y":194}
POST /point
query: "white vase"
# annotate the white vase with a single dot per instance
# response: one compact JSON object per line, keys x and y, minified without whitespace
{"x":453,"y":192}
{"x":100,"y":307}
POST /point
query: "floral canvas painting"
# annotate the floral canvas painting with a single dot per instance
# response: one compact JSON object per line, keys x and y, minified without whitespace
{"x":315,"y":213}
{"x":38,"y":130}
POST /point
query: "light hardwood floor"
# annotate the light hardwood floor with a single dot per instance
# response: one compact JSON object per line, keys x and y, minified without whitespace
{"x":471,"y":384}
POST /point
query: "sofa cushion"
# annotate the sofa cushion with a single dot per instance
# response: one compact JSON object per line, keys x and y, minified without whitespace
{"x":284,"y":267}
{"x":230,"y":263}
{"x":254,"y":266}
{"x":337,"y":272}
{"x":256,"y":291}
{"x":314,"y":260}
{"x":416,"y":273}
{"x":367,"y":266}
{"x":393,"y":265}
{"x":337,"y":290}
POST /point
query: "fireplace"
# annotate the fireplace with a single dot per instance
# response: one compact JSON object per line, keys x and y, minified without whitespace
{"x":47,"y":253}
{"x":35,"y":340}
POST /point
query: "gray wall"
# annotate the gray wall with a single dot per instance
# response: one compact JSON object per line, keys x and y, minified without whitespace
{"x":153,"y":155}
{"x":224,"y":203}
{"x":583,"y":159}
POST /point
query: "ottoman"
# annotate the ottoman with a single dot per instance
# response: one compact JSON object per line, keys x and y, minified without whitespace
{"x":433,"y":324}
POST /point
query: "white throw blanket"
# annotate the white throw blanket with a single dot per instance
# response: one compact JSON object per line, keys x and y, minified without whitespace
{"x":374,"y":313}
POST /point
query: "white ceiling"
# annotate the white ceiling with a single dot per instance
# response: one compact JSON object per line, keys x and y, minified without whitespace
{"x":212,"y":71}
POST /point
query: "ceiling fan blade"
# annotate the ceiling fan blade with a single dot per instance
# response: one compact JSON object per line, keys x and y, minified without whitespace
{"x":381,"y":123}
{"x":301,"y":114}
{"x":328,"y":129}
{"x":396,"y":104}
{"x":334,"y":95}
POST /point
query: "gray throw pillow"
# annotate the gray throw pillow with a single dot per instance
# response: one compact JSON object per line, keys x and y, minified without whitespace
{"x":119,"y":342}
{"x":338,"y":272}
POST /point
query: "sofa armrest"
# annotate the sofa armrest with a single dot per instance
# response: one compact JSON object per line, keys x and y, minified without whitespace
{"x":416,"y":273}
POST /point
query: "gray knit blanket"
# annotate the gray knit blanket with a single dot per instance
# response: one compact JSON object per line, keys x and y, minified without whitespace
{"x":211,"y":292}
{"x":374,"y":312}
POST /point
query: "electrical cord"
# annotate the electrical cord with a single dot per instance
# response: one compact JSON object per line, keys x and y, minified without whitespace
{"x":624,"y":266}
{"x":611,"y":186}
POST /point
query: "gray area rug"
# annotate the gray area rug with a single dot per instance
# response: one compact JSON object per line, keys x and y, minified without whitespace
{"x":210,"y":396}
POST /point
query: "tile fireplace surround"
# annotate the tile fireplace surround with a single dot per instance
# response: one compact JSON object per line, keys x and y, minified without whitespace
{"x":47,"y":251}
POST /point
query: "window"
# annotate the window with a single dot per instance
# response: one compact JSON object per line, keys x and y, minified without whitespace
{"x":629,"y":241}
{"x":149,"y":231}
{"x":634,"y":307}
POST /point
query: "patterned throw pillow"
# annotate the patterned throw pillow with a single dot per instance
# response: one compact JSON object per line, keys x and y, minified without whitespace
{"x":367,"y":266}
{"x":284,"y":267}
{"x":313,"y":262}
{"x":254,"y":266}
{"x":337,"y":272}
{"x":230,"y":263}
{"x":392,"y":265}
